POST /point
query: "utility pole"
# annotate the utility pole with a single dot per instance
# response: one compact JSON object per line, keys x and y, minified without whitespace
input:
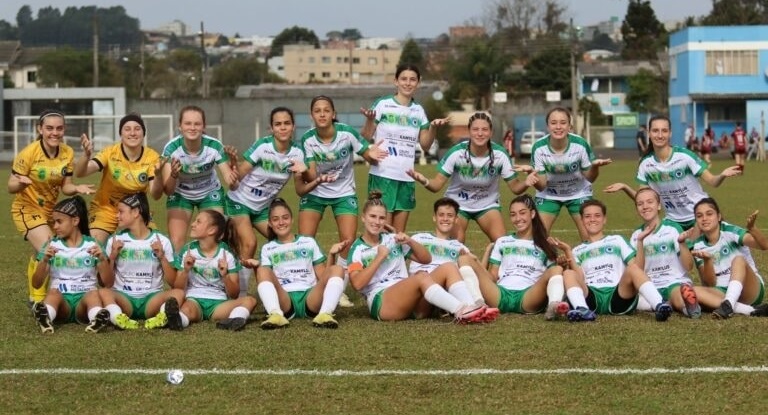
{"x":95,"y":49}
{"x":204,"y":73}
{"x":141,"y":67}
{"x":574,"y":80}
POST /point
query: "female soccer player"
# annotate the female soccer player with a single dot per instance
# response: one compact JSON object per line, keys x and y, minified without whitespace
{"x":474,"y":169}
{"x":190,"y":180}
{"x":566,"y":169}
{"x":208,"y":272}
{"x":75,"y":262}
{"x":724,"y":260}
{"x":142,"y":259}
{"x":41,"y":171}
{"x":673,"y":172}
{"x":294,"y":277}
{"x":400,"y":124}
{"x":377,"y":269}
{"x":127,"y":167}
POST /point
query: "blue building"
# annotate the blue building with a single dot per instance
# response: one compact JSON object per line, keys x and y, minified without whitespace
{"x":718,"y":76}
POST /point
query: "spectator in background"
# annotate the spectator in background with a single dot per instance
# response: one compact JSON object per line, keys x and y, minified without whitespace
{"x":509,"y":144}
{"x":642,"y":141}
{"x":689,"y":136}
{"x":707,"y":140}
{"x":739,"y":145}
{"x":754,"y":138}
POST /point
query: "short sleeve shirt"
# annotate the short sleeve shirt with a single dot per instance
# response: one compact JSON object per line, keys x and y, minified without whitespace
{"x":399,"y":126}
{"x":564,"y":171}
{"x":293,"y":263}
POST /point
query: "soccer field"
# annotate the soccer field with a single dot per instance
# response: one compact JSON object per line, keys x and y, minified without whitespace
{"x":518,"y":364}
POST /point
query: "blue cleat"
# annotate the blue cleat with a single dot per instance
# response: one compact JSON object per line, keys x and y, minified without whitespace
{"x":581,"y":314}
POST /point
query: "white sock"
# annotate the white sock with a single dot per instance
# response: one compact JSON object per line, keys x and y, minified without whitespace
{"x":576,"y":297}
{"x":555,"y":288}
{"x":239,"y":312}
{"x":437,"y":296}
{"x":244,"y":276}
{"x":643,"y":305}
{"x":92,"y":313}
{"x":342,"y":262}
{"x":741,"y":308}
{"x":651,"y":294}
{"x":114,"y":310}
{"x":733,"y":292}
{"x":460,"y":291}
{"x":51,"y":312}
{"x":184,"y":319}
{"x":473,"y":283}
{"x":268,"y":296}
{"x":333,"y":290}
{"x":162,"y":308}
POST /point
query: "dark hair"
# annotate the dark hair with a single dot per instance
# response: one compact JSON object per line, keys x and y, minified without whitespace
{"x":407,"y":67}
{"x":559,"y":109}
{"x":278,"y":202}
{"x":707,"y":201}
{"x":446,"y":201}
{"x":374,"y":199}
{"x":327,"y":99}
{"x":480,"y":116}
{"x":647,"y":189}
{"x":194,"y":108}
{"x":225,"y":230}
{"x":593,"y":202}
{"x":650,"y":150}
{"x":135,"y":118}
{"x":45,"y":114}
{"x":138,"y":201}
{"x":281,"y":109}
{"x":537,"y":226}
{"x":75,"y":207}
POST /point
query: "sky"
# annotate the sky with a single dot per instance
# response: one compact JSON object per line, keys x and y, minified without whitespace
{"x":389,"y":18}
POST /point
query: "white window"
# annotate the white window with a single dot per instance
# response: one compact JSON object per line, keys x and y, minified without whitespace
{"x":372,"y":61}
{"x":731,"y":62}
{"x":673,"y":66}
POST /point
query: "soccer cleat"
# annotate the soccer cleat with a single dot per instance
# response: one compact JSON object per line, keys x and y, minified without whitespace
{"x":724,"y":311}
{"x":40,"y":311}
{"x":556,"y":309}
{"x":174,"y":314}
{"x":98,"y":323}
{"x":691,"y":302}
{"x":490,"y":314}
{"x":233,"y":324}
{"x":274,"y":321}
{"x":325,"y":320}
{"x":123,"y":322}
{"x":160,"y":320}
{"x":581,"y":314}
{"x":761,"y":310}
{"x":470,"y":314}
{"x":663,"y":311}
{"x":345,"y":302}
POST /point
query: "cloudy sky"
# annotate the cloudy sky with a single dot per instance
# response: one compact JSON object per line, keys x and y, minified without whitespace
{"x":390,"y":18}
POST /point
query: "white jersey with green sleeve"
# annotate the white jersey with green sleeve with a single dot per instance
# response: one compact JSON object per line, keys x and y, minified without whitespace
{"x":198,"y":173}
{"x":675,"y":180}
{"x":729,"y":246}
{"x":138,"y":271}
{"x":564,"y":171}
{"x":399,"y":127}
{"x":662,"y":254}
{"x":391,"y":271}
{"x":267,"y":177}
{"x":335,"y":158}
{"x":442,"y":250}
{"x":72,"y":269}
{"x":604,"y":261}
{"x":520,"y":262}
{"x":293,"y":263}
{"x":474,"y":181}
{"x":204,"y":280}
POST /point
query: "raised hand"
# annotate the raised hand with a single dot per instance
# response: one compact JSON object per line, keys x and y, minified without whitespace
{"x":531,"y":179}
{"x":338,"y":247}
{"x":175,"y":167}
{"x":701,"y":255}
{"x":117,"y":246}
{"x":690,"y":234}
{"x":732,"y":171}
{"x":87,"y":145}
{"x":437,"y":122}
{"x":751,"y":219}
{"x":157,"y":247}
{"x":189,"y":261}
{"x":85,"y":189}
{"x":50,"y":251}
{"x":368,"y":113}
{"x":223,"y":266}
{"x":232,"y":154}
{"x":601,"y":162}
{"x":382,"y":251}
{"x":250,"y":263}
{"x":558,"y":244}
{"x":416,"y":176}
{"x":647,"y":230}
{"x":159,"y":165}
{"x":523,"y":168}
{"x":376,"y":152}
{"x":297,"y":166}
{"x":96,"y":252}
{"x":615,"y":187}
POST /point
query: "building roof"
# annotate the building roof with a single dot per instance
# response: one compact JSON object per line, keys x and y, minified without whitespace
{"x":30,"y":56}
{"x":615,"y":68}
{"x":9,"y":49}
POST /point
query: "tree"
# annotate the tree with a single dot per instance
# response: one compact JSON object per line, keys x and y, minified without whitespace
{"x":351,"y":34}
{"x":74,"y":27}
{"x":602,"y":41}
{"x":553,"y":19}
{"x":479,"y":63}
{"x":411,"y":54}
{"x":439,"y":109}
{"x":645,"y":92}
{"x":8,"y":31}
{"x":67,"y":67}
{"x":292,"y":36}
{"x":737,"y":13}
{"x":24,"y":17}
{"x":232,"y":73}
{"x":642,"y":32}
{"x":334,"y":35}
{"x":550,"y":70}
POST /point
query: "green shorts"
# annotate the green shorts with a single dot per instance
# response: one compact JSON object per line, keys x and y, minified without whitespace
{"x":207,"y":306}
{"x":232,"y":208}
{"x":346,"y":205}
{"x":553,"y":207}
{"x":606,"y":301}
{"x":758,"y":300}
{"x":667,"y":291}
{"x":511,"y":301}
{"x":476,"y":215}
{"x":212,"y":200}
{"x":299,"y":305}
{"x":138,"y":304}
{"x":688,"y":224}
{"x":376,"y":305}
{"x":396,"y":195}
{"x":73,"y":300}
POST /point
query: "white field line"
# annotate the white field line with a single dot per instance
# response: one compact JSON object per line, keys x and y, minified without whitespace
{"x":569,"y":231}
{"x":387,"y":372}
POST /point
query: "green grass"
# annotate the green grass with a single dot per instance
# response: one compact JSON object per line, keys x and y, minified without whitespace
{"x":360,"y":344}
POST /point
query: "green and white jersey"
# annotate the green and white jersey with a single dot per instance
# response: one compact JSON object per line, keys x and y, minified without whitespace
{"x":138,"y":270}
{"x":399,"y":127}
{"x":335,"y":158}
{"x":728,"y":246}
{"x":293,"y":263}
{"x":565,"y":178}
{"x":675,"y":180}
{"x":662,"y":254}
{"x":198,"y":174}
{"x":474,"y":181}
{"x":604,"y":261}
{"x":391,"y":271}
{"x":442,"y":250}
{"x":268,"y":176}
{"x":204,"y":280}
{"x":72,"y":269}
{"x":520,"y":262}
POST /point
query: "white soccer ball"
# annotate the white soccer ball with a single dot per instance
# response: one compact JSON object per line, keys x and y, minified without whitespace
{"x":175,"y":377}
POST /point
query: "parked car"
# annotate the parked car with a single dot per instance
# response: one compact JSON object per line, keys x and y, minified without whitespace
{"x":527,"y":141}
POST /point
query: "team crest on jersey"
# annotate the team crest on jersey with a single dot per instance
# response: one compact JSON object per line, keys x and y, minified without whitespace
{"x":116,"y":174}
{"x":574,"y":167}
{"x":215,"y":196}
{"x":353,"y":202}
{"x":304,"y":253}
{"x":143,"y":177}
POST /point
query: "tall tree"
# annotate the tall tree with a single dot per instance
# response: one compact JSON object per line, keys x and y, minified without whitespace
{"x":554,"y":26}
{"x":479,"y":64}
{"x":232,"y":73}
{"x":291,"y":36}
{"x":351,"y":34}
{"x":411,"y":54}
{"x":643,"y":33}
{"x":24,"y":17}
{"x":737,"y":13}
{"x":8,"y":31}
{"x":646,"y":92}
{"x":550,"y":70}
{"x":67,"y":67}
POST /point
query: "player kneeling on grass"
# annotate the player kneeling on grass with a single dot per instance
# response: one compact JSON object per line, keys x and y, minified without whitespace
{"x":604,"y":276}
{"x":377,"y":269}
{"x":293,"y":277}
{"x":725,"y":263}
{"x":142,"y":261}
{"x":208,"y":272}
{"x":75,"y":262}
